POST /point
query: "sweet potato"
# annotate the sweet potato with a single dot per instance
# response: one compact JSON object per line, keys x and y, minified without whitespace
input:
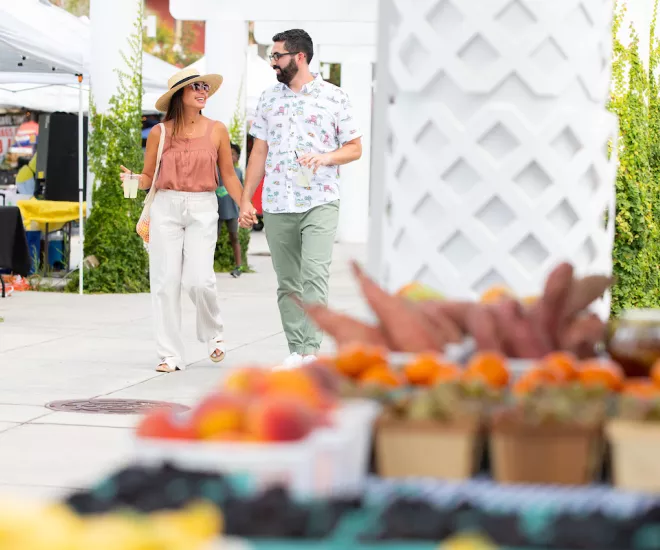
{"x":585,"y":291}
{"x":344,"y":329}
{"x":582,"y":336}
{"x":448,"y":318}
{"x":405,"y":328}
{"x":548,"y":313}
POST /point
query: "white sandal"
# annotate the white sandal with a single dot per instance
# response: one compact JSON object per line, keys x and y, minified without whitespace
{"x":217,"y":349}
{"x":166,"y":365}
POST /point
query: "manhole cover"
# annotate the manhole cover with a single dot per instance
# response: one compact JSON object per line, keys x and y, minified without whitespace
{"x":113,"y":406}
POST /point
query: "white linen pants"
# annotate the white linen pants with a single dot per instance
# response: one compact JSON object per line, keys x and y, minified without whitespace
{"x":183,"y":231}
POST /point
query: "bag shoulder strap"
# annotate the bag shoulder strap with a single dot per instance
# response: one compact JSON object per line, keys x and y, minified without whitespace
{"x":161,"y":145}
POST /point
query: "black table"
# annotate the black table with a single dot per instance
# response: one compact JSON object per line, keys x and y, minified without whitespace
{"x":14,"y":253}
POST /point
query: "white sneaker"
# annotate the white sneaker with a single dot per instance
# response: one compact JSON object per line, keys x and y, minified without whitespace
{"x":308,"y":359}
{"x":294,"y":361}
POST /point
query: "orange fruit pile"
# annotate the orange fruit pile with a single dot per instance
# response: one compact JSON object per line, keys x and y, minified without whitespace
{"x":428,"y":370}
{"x":489,"y":368}
{"x":559,"y":368}
{"x":366,"y":365}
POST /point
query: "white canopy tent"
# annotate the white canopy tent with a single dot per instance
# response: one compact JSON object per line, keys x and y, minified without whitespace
{"x":47,"y":46}
{"x":41,"y":46}
{"x":57,"y":97}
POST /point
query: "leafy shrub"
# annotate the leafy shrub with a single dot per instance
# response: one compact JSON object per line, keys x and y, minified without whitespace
{"x":635,"y":100}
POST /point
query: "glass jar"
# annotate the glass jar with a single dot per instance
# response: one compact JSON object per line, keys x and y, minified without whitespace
{"x":634,"y":340}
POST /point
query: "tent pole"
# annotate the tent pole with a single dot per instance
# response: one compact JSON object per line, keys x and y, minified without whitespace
{"x":81,"y":154}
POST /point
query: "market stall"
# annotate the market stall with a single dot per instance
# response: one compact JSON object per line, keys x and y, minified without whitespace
{"x":42,"y":45}
{"x":406,"y":438}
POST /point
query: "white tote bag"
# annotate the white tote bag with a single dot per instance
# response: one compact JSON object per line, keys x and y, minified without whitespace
{"x":142,"y":226}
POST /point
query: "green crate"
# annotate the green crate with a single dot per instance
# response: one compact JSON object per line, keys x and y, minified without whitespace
{"x":344,"y":538}
{"x":346,"y":535}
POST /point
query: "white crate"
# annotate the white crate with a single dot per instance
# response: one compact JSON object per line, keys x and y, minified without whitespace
{"x":331,"y":460}
{"x":342,"y":459}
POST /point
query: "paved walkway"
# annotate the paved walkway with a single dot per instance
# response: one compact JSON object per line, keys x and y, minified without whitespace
{"x":61,"y":346}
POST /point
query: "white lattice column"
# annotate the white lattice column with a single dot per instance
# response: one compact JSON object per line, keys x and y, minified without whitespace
{"x":498,"y":165}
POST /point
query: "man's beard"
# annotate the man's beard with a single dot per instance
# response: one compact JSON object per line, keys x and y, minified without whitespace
{"x":287,"y":74}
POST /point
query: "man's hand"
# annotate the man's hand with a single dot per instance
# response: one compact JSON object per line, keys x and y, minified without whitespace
{"x":248,"y":215}
{"x":314,"y":160}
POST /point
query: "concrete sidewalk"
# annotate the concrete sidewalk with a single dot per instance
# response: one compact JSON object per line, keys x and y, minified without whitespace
{"x":61,"y":346}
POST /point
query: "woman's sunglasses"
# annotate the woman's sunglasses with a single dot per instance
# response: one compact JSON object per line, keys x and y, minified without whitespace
{"x":199,"y":86}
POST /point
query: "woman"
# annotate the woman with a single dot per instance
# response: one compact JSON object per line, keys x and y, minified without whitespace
{"x":184,"y":214}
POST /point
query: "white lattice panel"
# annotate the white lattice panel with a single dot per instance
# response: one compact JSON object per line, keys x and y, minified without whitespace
{"x":497,"y":167}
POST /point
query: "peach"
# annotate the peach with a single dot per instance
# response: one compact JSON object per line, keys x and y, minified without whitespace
{"x":298,"y":384}
{"x":164,"y":424}
{"x":280,"y":418}
{"x":219,"y":413}
{"x":250,"y":380}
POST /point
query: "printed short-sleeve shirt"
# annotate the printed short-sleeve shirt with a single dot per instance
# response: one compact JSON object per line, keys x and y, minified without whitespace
{"x":318,"y":119}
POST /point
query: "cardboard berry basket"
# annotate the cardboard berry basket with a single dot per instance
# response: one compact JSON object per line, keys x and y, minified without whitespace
{"x":428,"y":448}
{"x":635,"y":451}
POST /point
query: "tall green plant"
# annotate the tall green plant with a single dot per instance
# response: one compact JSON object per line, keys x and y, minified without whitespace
{"x":634,"y":99}
{"x":115,"y":140}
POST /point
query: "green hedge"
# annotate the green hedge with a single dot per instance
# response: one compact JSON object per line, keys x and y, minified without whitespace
{"x":635,"y":100}
{"x":224,"y":253}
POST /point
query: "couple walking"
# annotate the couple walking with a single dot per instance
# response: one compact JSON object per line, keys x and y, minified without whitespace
{"x":303,"y":132}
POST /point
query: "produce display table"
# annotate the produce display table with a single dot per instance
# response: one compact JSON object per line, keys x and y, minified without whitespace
{"x":50,"y":216}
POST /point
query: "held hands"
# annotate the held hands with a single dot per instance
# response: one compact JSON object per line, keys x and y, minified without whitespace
{"x":248,"y":215}
{"x":314,"y":160}
{"x":126,"y":173}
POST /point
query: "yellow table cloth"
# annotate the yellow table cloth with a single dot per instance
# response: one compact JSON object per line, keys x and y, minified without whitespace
{"x":53,"y":213}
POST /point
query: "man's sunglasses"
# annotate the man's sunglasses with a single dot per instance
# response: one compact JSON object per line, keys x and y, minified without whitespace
{"x":199,"y":86}
{"x":277,"y":56}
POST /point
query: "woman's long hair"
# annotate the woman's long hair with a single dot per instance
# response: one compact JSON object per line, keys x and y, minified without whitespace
{"x":175,"y":112}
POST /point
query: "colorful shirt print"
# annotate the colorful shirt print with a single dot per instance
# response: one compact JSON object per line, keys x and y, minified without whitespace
{"x":319,"y":119}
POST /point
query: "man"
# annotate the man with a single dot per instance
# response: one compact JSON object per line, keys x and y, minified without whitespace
{"x":228,"y":213}
{"x":304,"y":131}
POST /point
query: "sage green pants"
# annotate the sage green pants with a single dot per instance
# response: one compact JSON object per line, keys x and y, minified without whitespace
{"x":301,"y":251}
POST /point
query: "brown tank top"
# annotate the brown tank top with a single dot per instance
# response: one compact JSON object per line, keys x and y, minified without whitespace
{"x":189,"y":164}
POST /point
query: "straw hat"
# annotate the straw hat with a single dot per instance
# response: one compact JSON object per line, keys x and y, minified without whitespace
{"x":181,"y":80}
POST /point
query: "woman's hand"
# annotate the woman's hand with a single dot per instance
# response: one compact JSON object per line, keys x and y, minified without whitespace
{"x":248,"y":215}
{"x":126,"y":173}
